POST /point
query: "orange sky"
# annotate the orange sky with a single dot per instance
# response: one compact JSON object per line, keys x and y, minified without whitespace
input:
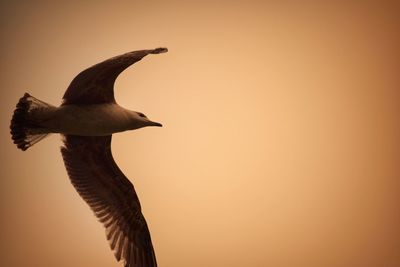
{"x":280,"y":144}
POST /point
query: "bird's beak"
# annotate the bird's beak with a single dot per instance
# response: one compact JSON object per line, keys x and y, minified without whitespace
{"x":153,"y":123}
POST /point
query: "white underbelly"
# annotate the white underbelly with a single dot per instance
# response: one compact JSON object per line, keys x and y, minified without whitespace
{"x":93,"y":120}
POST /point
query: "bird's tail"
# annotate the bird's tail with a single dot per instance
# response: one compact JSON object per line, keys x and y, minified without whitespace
{"x":25,"y":127}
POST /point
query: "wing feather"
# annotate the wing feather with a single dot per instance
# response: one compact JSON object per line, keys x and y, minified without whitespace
{"x":111,"y":196}
{"x":95,"y":85}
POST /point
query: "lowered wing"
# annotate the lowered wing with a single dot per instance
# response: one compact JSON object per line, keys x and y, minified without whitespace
{"x":111,"y":196}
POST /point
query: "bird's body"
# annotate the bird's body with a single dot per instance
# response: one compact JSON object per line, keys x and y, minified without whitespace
{"x":87,"y":118}
{"x":90,"y":120}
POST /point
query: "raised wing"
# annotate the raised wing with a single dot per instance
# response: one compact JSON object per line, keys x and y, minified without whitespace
{"x":111,"y":196}
{"x":95,"y":85}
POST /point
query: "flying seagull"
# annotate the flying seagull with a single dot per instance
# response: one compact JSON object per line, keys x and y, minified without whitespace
{"x":87,"y":118}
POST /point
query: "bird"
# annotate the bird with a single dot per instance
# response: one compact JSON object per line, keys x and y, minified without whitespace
{"x":86,"y":120}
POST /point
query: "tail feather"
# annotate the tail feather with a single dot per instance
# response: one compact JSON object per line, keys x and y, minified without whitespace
{"x":25,"y":131}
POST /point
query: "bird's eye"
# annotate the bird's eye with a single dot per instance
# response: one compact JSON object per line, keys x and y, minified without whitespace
{"x":142,"y":115}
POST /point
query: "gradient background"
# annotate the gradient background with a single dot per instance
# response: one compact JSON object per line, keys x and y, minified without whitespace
{"x":280,"y":144}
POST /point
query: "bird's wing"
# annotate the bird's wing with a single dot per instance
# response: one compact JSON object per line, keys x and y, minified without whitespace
{"x":95,"y":85}
{"x":111,"y":196}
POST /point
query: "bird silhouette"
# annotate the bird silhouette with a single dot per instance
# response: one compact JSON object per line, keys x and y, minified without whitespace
{"x":87,"y":118}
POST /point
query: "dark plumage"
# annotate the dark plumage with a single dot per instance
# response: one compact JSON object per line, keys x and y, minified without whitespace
{"x":111,"y":196}
{"x":95,"y":85}
{"x":24,"y":131}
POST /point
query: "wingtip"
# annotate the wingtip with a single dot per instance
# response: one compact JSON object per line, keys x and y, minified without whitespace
{"x":160,"y":50}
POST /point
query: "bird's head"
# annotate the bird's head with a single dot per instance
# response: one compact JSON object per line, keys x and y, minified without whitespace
{"x":139,"y":120}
